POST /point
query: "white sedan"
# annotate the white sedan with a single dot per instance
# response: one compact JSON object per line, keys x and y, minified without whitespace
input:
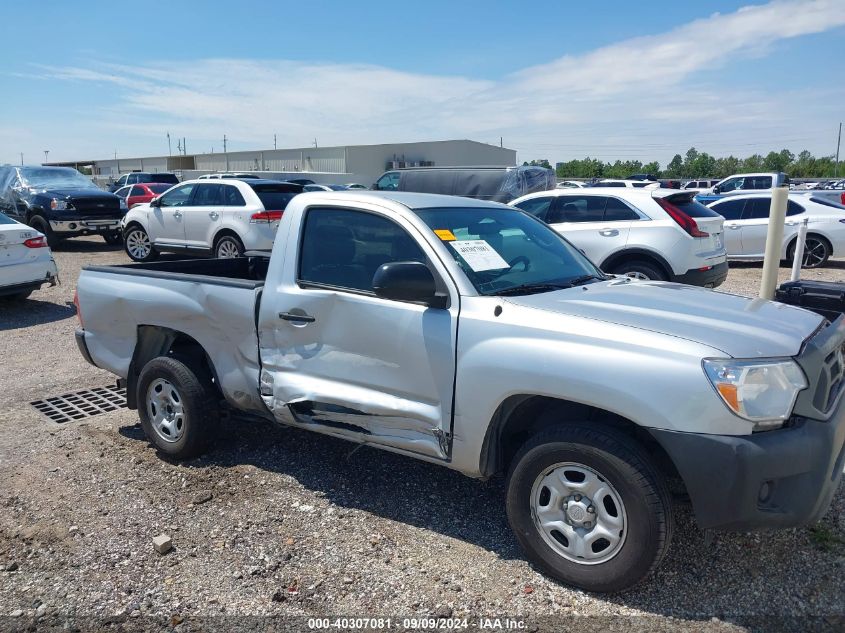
{"x":26,"y":262}
{"x":747,"y":224}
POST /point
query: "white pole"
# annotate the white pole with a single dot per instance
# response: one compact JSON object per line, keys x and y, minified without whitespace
{"x":774,"y":241}
{"x":798,"y":257}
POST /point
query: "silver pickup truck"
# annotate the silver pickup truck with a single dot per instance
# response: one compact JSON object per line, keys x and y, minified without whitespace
{"x":471,"y":335}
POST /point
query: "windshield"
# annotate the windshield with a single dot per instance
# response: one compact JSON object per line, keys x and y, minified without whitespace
{"x":55,"y":178}
{"x":275,"y":197}
{"x":501,"y":250}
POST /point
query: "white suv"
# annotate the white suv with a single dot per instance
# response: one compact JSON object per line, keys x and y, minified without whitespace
{"x":219,"y":217}
{"x":660,"y":234}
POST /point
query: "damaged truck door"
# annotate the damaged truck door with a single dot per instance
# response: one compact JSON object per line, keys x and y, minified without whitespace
{"x":339,"y":359}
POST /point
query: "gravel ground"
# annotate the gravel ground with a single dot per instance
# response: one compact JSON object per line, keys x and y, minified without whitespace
{"x":284,"y":522}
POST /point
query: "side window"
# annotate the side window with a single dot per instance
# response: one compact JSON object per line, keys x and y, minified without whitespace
{"x":578,"y":209}
{"x":131,"y":179}
{"x":178,"y":196}
{"x":136,"y":190}
{"x":388,"y":182}
{"x":730,"y":209}
{"x":122,"y":192}
{"x":757,"y":209}
{"x":793,"y":208}
{"x":121,"y":181}
{"x":731,"y":184}
{"x":232,"y":197}
{"x":538,"y":207}
{"x":208,"y":195}
{"x":343,"y":248}
{"x":616,"y":211}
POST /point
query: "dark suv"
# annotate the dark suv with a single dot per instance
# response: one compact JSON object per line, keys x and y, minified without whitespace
{"x":60,"y":202}
{"x":139,"y":177}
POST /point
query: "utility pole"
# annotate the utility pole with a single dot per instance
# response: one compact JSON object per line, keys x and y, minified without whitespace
{"x":46,"y":152}
{"x":838,"y":142}
{"x":224,"y":143}
{"x":315,"y":142}
{"x":184,"y":147}
{"x":169,"y":147}
{"x":501,"y":142}
{"x":21,"y":158}
{"x":274,"y":141}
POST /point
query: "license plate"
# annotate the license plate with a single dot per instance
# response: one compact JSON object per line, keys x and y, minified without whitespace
{"x":718,"y":239}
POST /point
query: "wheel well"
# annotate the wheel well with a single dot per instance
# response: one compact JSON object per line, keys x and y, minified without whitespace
{"x":520,"y":417}
{"x":224,"y":232}
{"x":154,"y":341}
{"x":637,"y":255}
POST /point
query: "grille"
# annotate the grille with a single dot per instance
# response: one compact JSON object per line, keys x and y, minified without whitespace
{"x":831,"y":380}
{"x":96,"y":205}
{"x":81,"y":404}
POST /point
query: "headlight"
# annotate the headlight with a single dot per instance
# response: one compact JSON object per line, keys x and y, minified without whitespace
{"x":763,"y":392}
{"x":123,"y":206}
{"x":57,"y":204}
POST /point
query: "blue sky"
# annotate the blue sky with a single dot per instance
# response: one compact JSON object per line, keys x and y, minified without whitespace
{"x":558,"y":80}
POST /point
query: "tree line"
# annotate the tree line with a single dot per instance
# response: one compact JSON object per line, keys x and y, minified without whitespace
{"x":695,"y":164}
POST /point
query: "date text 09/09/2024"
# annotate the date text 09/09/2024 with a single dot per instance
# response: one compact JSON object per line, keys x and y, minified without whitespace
{"x":422,"y":624}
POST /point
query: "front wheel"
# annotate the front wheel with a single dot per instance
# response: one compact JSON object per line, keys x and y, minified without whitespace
{"x":589,"y":508}
{"x":176,"y":404}
{"x":639,"y":270}
{"x":138,"y":245}
{"x":42,"y":225}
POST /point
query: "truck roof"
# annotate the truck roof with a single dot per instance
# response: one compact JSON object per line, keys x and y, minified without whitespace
{"x":411,"y":199}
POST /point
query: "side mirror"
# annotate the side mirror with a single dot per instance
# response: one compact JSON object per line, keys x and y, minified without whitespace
{"x":155,"y":202}
{"x":407,"y":281}
{"x":717,"y":189}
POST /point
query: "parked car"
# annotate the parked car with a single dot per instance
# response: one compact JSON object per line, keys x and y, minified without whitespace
{"x":649,"y":177}
{"x":356,"y":185}
{"x":659,"y":234}
{"x":60,"y":203}
{"x":201,"y":217}
{"x":501,"y":184}
{"x":138,"y":177}
{"x":747,"y":226}
{"x":300,"y":181}
{"x":636,"y":184}
{"x":316,"y":187}
{"x":571,"y":184}
{"x":26,"y":263}
{"x":140,"y":194}
{"x":743,"y":183}
{"x":700,"y":186}
{"x":590,"y":393}
{"x":227,"y":175}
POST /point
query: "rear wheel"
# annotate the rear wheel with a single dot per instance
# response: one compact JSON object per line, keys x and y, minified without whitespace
{"x":228,"y":247}
{"x":817,"y":251}
{"x":138,"y":245}
{"x":638,"y":269}
{"x":177,"y":407}
{"x":113,"y":238}
{"x":589,"y":508}
{"x":40,"y":224}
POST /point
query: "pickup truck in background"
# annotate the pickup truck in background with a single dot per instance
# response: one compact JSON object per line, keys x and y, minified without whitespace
{"x":743,"y":183}
{"x":471,"y":335}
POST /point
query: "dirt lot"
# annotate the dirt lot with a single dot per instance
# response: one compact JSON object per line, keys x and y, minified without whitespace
{"x":278,"y":521}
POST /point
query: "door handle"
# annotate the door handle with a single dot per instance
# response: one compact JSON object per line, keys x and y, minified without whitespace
{"x":296,"y":318}
{"x":177,"y":215}
{"x":214,"y":215}
{"x":609,"y":232}
{"x":733,"y":226}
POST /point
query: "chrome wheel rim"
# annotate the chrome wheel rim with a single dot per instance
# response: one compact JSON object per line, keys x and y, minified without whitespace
{"x":138,"y":244}
{"x":814,"y":253}
{"x":227,"y":249}
{"x":578,"y":513}
{"x":164,"y":407}
{"x":638,"y":275}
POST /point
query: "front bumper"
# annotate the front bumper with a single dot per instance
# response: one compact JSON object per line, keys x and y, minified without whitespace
{"x":85,"y":227}
{"x":710,"y":278}
{"x":775,"y":479}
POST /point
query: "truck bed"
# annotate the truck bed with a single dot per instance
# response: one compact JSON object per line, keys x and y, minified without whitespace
{"x":212,"y":301}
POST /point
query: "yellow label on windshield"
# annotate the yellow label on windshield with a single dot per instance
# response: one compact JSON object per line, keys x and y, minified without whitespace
{"x":445,"y":234}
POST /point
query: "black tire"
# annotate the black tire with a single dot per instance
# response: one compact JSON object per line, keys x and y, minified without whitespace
{"x":199,"y":414}
{"x":639,"y":269}
{"x":816,"y":249}
{"x":617,"y":459}
{"x":40,"y":224}
{"x":141,"y":233}
{"x":228,"y":242}
{"x":113,"y":238}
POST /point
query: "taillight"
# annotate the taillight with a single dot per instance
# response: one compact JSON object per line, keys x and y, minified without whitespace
{"x":265,"y":216}
{"x":36,"y":242}
{"x":683,"y":220}
{"x":78,"y":311}
{"x":842,"y":198}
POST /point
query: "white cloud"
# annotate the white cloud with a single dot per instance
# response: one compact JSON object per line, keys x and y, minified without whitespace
{"x":640,"y":96}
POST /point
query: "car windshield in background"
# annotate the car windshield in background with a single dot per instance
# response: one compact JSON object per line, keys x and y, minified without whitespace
{"x":4,"y":219}
{"x":164,"y":178}
{"x":275,"y":197}
{"x":506,"y":251}
{"x":158,"y":188}
{"x":55,"y":178}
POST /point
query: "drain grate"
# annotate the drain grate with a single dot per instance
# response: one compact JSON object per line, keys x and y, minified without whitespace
{"x":81,"y":404}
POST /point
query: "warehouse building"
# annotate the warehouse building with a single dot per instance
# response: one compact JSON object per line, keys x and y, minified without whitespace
{"x":341,"y":164}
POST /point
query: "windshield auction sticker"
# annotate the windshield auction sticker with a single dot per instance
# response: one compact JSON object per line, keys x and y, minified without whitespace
{"x":445,"y":234}
{"x":479,"y":255}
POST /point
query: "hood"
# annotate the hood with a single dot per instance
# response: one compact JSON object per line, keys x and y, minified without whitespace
{"x":738,"y":326}
{"x":92,"y":192}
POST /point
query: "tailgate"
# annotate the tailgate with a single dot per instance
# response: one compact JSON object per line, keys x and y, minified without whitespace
{"x":708,"y":221}
{"x":12,"y":248}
